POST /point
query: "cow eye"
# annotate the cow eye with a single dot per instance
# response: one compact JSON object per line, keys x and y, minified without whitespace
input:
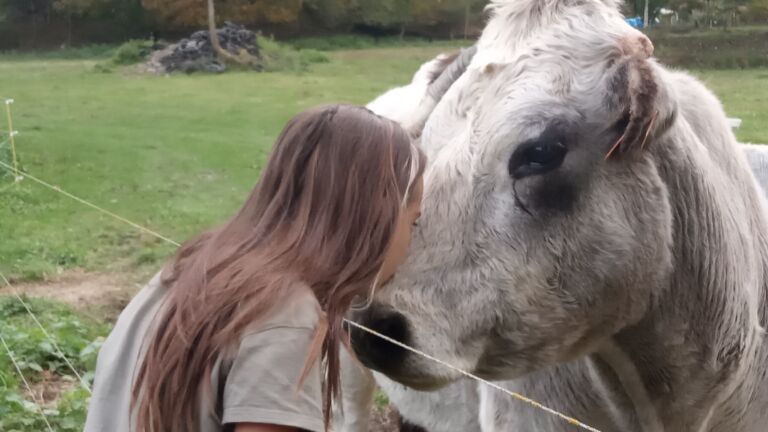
{"x":536,"y":157}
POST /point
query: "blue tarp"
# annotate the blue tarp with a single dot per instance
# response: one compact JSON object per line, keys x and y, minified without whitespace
{"x":636,"y":22}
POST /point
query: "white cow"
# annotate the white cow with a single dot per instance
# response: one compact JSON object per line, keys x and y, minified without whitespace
{"x":463,"y":406}
{"x":591,"y":234}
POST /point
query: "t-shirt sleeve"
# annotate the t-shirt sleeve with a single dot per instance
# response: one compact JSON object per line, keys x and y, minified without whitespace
{"x":261,"y":386}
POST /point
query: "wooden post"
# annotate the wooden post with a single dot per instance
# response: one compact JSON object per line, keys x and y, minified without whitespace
{"x":11,"y":135}
{"x":466,"y":19}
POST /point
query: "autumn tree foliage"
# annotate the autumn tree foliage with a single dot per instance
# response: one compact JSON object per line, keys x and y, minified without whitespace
{"x":194,"y":13}
{"x":396,"y":15}
{"x":114,"y":20}
{"x":759,"y":8}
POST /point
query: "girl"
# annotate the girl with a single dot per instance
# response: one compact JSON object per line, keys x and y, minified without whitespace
{"x":239,"y":328}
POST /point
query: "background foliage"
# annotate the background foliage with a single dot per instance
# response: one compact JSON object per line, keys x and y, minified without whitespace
{"x":52,"y":23}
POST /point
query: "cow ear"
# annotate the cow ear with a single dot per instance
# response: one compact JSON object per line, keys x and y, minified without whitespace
{"x":432,"y":70}
{"x":638,"y":97}
{"x":438,"y":87}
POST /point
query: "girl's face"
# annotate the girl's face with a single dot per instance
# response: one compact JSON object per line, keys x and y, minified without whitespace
{"x":401,"y":239}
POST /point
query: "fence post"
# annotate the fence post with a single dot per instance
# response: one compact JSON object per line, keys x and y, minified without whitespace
{"x":11,"y":134}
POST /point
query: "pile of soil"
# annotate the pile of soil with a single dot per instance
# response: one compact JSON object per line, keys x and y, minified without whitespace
{"x":196,"y":54}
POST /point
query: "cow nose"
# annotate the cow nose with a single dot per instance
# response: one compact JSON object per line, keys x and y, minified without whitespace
{"x":375,"y":352}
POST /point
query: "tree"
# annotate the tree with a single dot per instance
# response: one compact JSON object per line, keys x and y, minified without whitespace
{"x":436,"y":12}
{"x":129,"y":15}
{"x":3,"y":13}
{"x":29,"y":12}
{"x":645,"y":14}
{"x":71,"y":8}
{"x":384,"y":14}
{"x":241,"y":58}
{"x":637,"y":7}
{"x":177,"y":13}
{"x":214,"y":36}
{"x":332,"y":14}
{"x":686,"y":5}
{"x":183,"y":14}
{"x":758,"y":8}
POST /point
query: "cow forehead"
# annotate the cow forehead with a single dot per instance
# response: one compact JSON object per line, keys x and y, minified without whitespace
{"x":517,"y":24}
{"x":517,"y":75}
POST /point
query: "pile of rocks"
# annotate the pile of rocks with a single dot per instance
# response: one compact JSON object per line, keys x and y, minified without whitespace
{"x":196,"y":54}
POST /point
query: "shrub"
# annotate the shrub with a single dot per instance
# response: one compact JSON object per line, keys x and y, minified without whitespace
{"x":278,"y":57}
{"x":104,"y":67}
{"x":132,"y":52}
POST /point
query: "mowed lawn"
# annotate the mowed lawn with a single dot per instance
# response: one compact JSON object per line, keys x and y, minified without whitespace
{"x":180,"y":153}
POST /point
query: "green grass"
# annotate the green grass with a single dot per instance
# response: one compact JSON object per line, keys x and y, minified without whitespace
{"x":281,"y":57}
{"x":175,"y":154}
{"x":79,"y":340}
{"x":89,"y":52}
{"x":132,"y":52}
{"x":737,"y":48}
{"x":744,"y":94}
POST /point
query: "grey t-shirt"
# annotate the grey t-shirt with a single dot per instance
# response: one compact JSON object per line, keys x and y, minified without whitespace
{"x":258,"y":385}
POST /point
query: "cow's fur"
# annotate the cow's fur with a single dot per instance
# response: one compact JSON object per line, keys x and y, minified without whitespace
{"x":465,"y":405}
{"x":626,"y":286}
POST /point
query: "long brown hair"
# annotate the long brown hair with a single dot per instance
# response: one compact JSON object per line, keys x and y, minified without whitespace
{"x":323,"y":214}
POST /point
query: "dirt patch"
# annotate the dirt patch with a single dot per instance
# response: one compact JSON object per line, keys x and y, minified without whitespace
{"x":102,"y":295}
{"x":384,"y":420}
{"x":48,"y":390}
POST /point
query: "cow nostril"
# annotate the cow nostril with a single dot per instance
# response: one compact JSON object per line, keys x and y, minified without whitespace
{"x":375,"y":352}
{"x":392,"y":326}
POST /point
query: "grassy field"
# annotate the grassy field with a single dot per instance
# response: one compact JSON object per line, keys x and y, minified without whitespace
{"x":736,"y":48}
{"x":744,"y":94}
{"x":176,"y":154}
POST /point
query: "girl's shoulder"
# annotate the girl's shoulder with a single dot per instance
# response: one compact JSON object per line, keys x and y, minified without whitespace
{"x":300,"y":310}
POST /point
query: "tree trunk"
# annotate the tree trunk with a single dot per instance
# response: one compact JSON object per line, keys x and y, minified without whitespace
{"x":221,"y":53}
{"x":33,"y":39}
{"x":466,"y":20}
{"x":69,"y":29}
{"x":645,"y":15}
